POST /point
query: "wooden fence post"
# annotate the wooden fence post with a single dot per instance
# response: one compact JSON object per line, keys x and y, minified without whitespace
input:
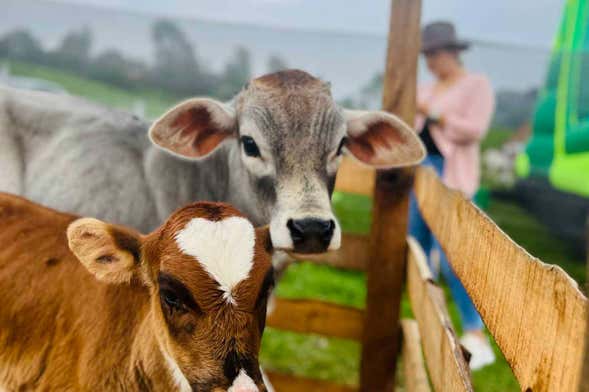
{"x":584,"y":384}
{"x":388,"y":248}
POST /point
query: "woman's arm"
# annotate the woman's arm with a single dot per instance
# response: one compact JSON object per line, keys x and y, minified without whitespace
{"x":472,"y":124}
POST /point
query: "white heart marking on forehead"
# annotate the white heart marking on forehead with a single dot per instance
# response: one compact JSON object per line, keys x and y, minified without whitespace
{"x":224,"y":248}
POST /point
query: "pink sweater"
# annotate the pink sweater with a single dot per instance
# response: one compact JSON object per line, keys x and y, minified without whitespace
{"x":466,"y":107}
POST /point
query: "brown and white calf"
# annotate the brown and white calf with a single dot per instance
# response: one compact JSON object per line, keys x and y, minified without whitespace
{"x":91,"y":306}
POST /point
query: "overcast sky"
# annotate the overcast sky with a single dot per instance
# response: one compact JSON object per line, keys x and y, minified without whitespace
{"x":531,"y":22}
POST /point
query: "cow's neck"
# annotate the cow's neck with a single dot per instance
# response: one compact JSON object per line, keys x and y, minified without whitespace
{"x":175,"y":182}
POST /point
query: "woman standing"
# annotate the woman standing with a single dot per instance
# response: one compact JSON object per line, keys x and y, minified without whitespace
{"x":454,"y":112}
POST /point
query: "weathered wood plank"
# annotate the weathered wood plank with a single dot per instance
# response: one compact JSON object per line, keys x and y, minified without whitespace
{"x":584,"y":383}
{"x":353,"y":177}
{"x":447,"y":367}
{"x":386,"y":266}
{"x":413,"y":366}
{"x":288,"y":383}
{"x":309,"y":316}
{"x":535,"y":311}
{"x":353,"y":254}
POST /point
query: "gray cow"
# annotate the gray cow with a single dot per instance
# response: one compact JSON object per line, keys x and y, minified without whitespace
{"x":273,"y":152}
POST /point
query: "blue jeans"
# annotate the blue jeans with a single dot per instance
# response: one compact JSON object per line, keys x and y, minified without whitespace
{"x":421,"y":232}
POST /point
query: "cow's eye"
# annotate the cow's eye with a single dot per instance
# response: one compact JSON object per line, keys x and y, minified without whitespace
{"x":250,"y":147}
{"x":341,"y":146}
{"x":171,"y":300}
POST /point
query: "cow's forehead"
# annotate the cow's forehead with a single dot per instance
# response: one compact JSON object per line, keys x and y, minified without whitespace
{"x":224,"y":248}
{"x":289,"y":79}
{"x":212,"y":248}
{"x":294,"y":122}
{"x":207,"y":210}
{"x":289,"y":102}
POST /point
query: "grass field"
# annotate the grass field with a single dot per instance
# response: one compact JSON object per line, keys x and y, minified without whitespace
{"x":156,"y":103}
{"x":335,"y":359}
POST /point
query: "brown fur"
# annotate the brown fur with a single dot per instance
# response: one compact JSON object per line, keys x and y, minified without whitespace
{"x":293,"y":92}
{"x":374,"y":138}
{"x":62,"y":329}
{"x":289,"y":79}
{"x":180,"y":133}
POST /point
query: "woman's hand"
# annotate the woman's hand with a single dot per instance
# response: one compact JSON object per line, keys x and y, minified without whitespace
{"x":423,"y":109}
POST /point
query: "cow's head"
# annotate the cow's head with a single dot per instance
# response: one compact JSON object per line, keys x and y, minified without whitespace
{"x":291,"y":135}
{"x":209,"y":273}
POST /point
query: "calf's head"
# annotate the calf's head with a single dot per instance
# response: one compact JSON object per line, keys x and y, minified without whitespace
{"x":290,"y":135}
{"x":209,"y":274}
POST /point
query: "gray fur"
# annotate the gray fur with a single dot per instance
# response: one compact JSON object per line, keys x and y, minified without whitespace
{"x":66,"y":152}
{"x":76,"y":156}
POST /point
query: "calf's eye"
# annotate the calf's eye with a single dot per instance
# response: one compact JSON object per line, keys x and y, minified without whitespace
{"x":250,"y":147}
{"x":171,"y":300}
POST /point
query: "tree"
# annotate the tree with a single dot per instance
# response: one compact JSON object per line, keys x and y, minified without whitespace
{"x":371,"y":93}
{"x":368,"y":97}
{"x":74,"y":50}
{"x":276,"y":63}
{"x":237,"y":73}
{"x":348,"y":103}
{"x":112,"y":67}
{"x":21,"y":45}
{"x":176,"y":67}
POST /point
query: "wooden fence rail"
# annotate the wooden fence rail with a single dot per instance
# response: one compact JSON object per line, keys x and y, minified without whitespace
{"x":313,"y":317}
{"x":447,"y":366}
{"x":535,"y":311}
{"x":355,"y":178}
{"x":288,"y":383}
{"x":352,"y":255}
{"x":413,"y":365}
{"x":584,"y":387}
{"x":306,"y":316}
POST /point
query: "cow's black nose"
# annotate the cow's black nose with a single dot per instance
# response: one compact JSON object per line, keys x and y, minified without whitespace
{"x":310,"y":235}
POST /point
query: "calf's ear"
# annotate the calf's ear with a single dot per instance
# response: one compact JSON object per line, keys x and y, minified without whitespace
{"x":194,"y":128}
{"x":110,"y":253}
{"x":382,"y":140}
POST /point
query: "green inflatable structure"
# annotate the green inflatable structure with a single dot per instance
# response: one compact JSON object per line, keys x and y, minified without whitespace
{"x":559,"y":147}
{"x":554,"y":168}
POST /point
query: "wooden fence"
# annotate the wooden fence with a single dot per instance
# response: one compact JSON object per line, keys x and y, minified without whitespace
{"x":535,"y":311}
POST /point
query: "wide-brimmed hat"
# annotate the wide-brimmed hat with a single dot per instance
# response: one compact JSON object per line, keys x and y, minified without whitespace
{"x":441,"y":35}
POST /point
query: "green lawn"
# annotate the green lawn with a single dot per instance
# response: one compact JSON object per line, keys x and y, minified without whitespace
{"x":495,"y":138}
{"x":336,"y":359}
{"x":156,"y":102}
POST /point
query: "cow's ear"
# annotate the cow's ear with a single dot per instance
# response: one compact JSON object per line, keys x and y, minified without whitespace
{"x":382,"y":140}
{"x":111,"y":253}
{"x":194,"y":128}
